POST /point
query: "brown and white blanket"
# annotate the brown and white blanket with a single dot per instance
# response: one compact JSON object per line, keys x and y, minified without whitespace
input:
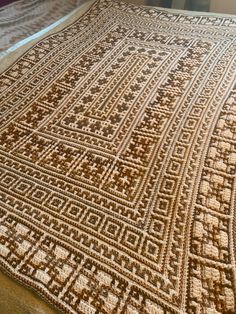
{"x":118,"y":163}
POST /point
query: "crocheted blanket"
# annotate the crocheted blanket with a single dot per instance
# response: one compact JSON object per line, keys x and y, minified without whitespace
{"x":118,"y":163}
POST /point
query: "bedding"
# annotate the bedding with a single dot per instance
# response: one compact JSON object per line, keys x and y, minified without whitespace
{"x":118,"y":162}
{"x":23,"y":18}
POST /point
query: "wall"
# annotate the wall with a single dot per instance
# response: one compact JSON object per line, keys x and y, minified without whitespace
{"x":197,"y":5}
{"x":225,"y":6}
{"x":178,"y":4}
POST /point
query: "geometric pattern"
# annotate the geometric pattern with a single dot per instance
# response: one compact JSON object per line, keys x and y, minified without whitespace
{"x":118,"y":163}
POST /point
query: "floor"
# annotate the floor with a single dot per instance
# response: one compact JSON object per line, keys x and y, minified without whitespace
{"x":15,"y":299}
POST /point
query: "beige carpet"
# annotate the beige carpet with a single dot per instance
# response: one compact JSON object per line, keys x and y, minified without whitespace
{"x":118,"y":163}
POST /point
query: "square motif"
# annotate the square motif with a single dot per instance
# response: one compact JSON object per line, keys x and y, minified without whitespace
{"x":180,"y":151}
{"x":131,"y":238}
{"x":157,"y":227}
{"x":185,"y":136}
{"x":93,"y":220}
{"x":174,"y":167}
{"x":202,"y":101}
{"x":75,"y":210}
{"x":8,"y":180}
{"x":190,"y":123}
{"x":163,"y":205}
{"x":39,"y":195}
{"x":168,"y":185}
{"x":111,"y":229}
{"x":196,"y":111}
{"x":151,"y":249}
{"x":56,"y":202}
{"x":22,"y":187}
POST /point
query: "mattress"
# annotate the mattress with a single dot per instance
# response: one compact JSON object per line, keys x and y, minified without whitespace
{"x":118,"y":162}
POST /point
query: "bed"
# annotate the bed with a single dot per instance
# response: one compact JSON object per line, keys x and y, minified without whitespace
{"x":118,"y":161}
